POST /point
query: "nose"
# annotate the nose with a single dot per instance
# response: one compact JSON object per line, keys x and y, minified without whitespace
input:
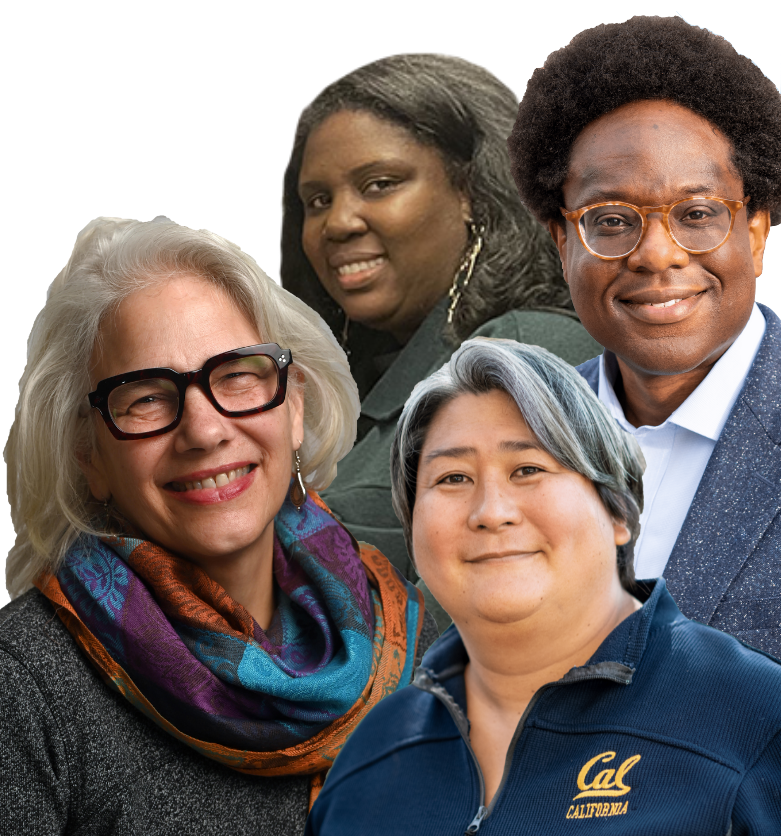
{"x":496,"y":505}
{"x":344,"y":217}
{"x":201,"y":427}
{"x":657,"y":251}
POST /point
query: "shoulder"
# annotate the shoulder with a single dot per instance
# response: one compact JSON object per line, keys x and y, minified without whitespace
{"x":702,"y":676}
{"x":78,"y":756}
{"x":31,"y":631}
{"x":560,"y":333}
{"x":407,"y":718}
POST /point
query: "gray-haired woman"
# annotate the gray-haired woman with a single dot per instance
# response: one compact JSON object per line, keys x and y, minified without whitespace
{"x":403,"y":228}
{"x":565,"y":690}
{"x":204,"y":634}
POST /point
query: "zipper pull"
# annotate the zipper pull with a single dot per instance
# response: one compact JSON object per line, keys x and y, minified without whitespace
{"x":474,"y":825}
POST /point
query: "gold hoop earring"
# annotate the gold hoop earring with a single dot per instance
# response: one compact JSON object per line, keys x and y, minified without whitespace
{"x":298,"y":488}
{"x":465,"y":268}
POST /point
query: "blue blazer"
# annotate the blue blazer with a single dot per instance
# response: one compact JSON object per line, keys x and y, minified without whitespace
{"x":725,"y":567}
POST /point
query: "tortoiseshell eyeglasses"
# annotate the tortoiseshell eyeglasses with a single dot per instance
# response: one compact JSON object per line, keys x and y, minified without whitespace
{"x":614,"y":229}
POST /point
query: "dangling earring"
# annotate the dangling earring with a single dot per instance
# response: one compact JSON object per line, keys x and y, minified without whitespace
{"x":298,"y":488}
{"x":343,"y":338}
{"x":466,"y":267}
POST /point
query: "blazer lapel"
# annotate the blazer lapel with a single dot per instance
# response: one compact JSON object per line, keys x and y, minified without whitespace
{"x":739,"y":493}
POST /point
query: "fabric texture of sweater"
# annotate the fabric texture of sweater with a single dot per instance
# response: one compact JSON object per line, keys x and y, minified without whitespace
{"x":77,"y":758}
{"x":360,"y":496}
{"x":671,"y":728}
{"x":725,"y":567}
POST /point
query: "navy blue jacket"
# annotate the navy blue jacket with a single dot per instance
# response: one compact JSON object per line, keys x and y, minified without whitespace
{"x":725,"y":567}
{"x":671,"y":729}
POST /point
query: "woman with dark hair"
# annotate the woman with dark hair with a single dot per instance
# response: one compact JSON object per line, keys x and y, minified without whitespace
{"x":403,"y":229}
{"x":566,"y":689}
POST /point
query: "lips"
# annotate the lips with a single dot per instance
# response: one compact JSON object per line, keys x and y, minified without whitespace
{"x":206,"y":487}
{"x":215,"y":480}
{"x":355,"y":270}
{"x":496,"y":557}
{"x":663,"y":307}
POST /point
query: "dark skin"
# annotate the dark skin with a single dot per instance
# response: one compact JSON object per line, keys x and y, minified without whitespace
{"x":651,"y":153}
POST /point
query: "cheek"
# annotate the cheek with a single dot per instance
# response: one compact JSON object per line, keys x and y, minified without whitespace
{"x":310,"y":243}
{"x":432,"y":539}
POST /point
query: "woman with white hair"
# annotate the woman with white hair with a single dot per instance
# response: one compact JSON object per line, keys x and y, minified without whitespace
{"x":202,"y":634}
{"x":565,"y":689}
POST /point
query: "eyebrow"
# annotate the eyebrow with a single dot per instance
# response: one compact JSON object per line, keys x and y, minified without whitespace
{"x":461,"y":452}
{"x":605,"y":195}
{"x":359,"y":171}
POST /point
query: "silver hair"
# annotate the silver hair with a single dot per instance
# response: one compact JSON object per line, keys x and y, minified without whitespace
{"x":48,"y":492}
{"x":558,"y":406}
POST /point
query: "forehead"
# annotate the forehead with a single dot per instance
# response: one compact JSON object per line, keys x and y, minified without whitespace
{"x":476,"y":420}
{"x":650,"y":153}
{"x":352,"y":139}
{"x":178,"y":322}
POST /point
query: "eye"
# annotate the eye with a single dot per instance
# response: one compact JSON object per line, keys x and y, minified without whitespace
{"x":453,"y":479}
{"x":317,"y":202}
{"x":528,"y":470}
{"x":698,"y":213}
{"x":379,"y":185}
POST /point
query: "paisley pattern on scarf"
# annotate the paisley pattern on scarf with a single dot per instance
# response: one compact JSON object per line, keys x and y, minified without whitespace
{"x":279,"y":701}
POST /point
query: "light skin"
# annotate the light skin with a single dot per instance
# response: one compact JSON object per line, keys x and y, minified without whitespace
{"x":653,"y":153}
{"x":384,"y":228}
{"x":521,"y":553}
{"x":227,"y":531}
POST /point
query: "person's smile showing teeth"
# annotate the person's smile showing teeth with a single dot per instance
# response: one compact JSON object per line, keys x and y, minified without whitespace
{"x":661,"y":309}
{"x":660,"y":154}
{"x":210,"y":479}
{"x":384,"y":227}
{"x":355,"y":270}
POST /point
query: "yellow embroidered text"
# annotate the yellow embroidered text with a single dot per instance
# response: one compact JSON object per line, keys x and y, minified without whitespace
{"x":608,"y":781}
{"x":597,"y":810}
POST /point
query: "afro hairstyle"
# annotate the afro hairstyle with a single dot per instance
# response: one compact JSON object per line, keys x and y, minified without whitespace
{"x":645,"y":58}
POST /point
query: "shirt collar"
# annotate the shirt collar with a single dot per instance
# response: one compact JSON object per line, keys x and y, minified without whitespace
{"x":624,"y":646}
{"x":427,"y":344}
{"x":706,"y":410}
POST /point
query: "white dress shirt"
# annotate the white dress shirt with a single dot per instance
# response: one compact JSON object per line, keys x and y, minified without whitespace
{"x":677,"y":451}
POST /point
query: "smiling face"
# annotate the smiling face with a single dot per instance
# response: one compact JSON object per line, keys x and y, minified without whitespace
{"x":501,"y":531}
{"x":209,"y":489}
{"x":661,"y":310}
{"x":384,"y":228}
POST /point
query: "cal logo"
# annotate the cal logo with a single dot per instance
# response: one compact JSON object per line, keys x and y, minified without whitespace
{"x":602,"y":783}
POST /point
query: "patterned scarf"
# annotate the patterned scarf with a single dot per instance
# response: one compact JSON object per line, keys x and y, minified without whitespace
{"x":280,"y":701}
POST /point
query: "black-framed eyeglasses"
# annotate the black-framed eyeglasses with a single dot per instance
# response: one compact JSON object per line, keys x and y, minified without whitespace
{"x":150,"y":402}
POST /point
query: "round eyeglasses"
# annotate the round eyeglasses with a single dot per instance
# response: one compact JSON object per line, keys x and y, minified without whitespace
{"x":150,"y":402}
{"x":614,"y":230}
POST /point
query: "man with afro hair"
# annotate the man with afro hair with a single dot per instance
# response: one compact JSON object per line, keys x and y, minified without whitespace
{"x":652,"y":152}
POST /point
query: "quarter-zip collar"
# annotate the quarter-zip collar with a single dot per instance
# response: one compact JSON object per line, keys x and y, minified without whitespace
{"x":616,"y":659}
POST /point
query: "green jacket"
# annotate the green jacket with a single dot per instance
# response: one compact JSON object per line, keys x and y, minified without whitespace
{"x":360,"y":496}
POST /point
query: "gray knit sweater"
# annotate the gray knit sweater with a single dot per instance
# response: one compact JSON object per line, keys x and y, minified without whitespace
{"x":77,"y":758}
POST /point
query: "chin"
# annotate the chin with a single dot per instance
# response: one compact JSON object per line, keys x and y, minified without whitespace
{"x":662,"y":359}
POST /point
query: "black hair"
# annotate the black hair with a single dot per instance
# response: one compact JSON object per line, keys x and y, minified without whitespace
{"x":645,"y":58}
{"x":465,"y":113}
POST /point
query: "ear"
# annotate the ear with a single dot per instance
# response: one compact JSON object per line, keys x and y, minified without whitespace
{"x":758,"y":229}
{"x":621,"y":532}
{"x":558,"y":231}
{"x":92,"y":467}
{"x":466,"y":208}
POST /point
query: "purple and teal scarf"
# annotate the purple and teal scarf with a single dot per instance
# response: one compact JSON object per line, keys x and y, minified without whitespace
{"x":279,"y":701}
